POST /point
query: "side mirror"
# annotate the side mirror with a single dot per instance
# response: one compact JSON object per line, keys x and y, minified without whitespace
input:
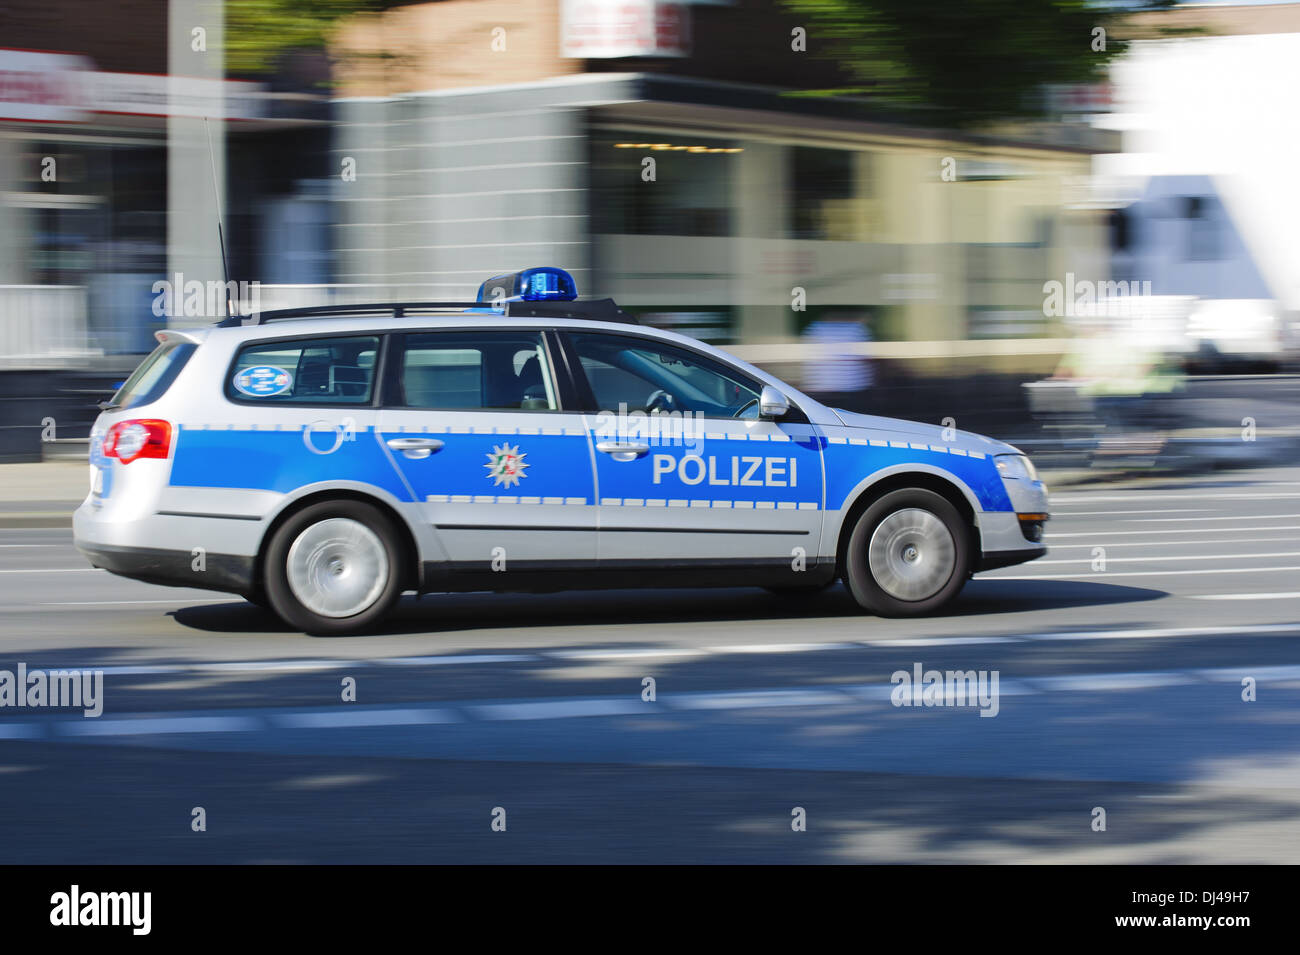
{"x":771,"y":403}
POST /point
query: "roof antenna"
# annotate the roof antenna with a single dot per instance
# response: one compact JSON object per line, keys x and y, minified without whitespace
{"x":221,"y":237}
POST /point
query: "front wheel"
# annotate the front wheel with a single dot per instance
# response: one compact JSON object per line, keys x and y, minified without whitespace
{"x":333,"y":568}
{"x":908,"y":555}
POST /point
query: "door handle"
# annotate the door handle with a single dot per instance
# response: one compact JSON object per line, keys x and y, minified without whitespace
{"x":415,"y":448}
{"x":623,"y":450}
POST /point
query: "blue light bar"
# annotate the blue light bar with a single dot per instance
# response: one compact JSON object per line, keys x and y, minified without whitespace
{"x":531,"y":285}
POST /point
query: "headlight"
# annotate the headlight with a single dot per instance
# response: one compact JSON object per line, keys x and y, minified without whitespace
{"x":1016,"y":466}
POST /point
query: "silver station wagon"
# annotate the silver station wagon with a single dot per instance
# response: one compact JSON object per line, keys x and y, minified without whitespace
{"x":322,"y":461}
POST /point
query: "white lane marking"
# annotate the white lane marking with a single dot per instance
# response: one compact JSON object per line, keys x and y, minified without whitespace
{"x":1188,"y":520}
{"x":146,"y":724}
{"x":750,"y":699}
{"x":307,"y":666}
{"x":1291,"y":595}
{"x":1100,"y":541}
{"x":1166,"y":559}
{"x":152,"y":725}
{"x":1109,"y":681}
{"x":778,"y":647}
{"x":941,"y":641}
{"x":628,"y":653}
{"x":1091,"y":575}
{"x":1172,"y":495}
{"x":374,"y":717}
{"x":19,"y":731}
{"x":114,"y":603}
{"x":258,"y":666}
{"x":53,"y":570}
{"x":1153,"y":632}
{"x":1143,"y":510}
{"x":457,"y":659}
{"x":1235,"y":674}
{"x":559,"y":709}
{"x":1181,"y":530}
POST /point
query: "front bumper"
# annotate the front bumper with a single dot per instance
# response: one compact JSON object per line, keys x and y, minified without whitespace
{"x":1004,"y":539}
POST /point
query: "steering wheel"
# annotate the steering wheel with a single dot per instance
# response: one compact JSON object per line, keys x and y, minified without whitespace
{"x":660,"y":400}
{"x":745,"y":407}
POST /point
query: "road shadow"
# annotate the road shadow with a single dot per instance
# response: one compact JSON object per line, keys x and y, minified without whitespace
{"x":96,"y":805}
{"x":449,"y":613}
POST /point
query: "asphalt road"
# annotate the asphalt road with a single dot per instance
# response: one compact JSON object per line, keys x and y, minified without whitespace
{"x":1120,"y":687}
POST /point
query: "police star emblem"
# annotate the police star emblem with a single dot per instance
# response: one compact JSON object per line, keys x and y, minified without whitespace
{"x":506,"y":465}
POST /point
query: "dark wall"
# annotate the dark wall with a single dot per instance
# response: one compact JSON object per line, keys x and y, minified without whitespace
{"x":121,"y":36}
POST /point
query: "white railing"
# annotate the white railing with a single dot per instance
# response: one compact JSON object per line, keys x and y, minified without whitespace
{"x":43,"y":326}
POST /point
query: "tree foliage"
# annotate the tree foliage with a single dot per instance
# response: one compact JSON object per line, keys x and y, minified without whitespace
{"x":965,"y":62}
{"x":258,"y":32}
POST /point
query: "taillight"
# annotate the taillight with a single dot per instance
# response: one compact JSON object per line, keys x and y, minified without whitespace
{"x":138,"y":438}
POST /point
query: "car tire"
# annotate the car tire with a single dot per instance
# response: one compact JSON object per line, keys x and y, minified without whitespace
{"x":909,"y":554}
{"x":333,"y":568}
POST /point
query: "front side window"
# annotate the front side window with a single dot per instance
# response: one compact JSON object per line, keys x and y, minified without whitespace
{"x":476,"y":371}
{"x":306,"y":371}
{"x":654,"y":377}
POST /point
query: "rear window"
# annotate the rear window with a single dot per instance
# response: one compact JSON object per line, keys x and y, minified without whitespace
{"x":154,"y":375}
{"x":306,"y":371}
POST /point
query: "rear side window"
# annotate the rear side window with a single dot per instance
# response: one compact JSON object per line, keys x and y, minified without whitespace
{"x":481,"y":370}
{"x":335,"y":371}
{"x":154,"y":375}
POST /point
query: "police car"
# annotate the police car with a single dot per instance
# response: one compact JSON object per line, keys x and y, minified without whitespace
{"x":322,"y":461}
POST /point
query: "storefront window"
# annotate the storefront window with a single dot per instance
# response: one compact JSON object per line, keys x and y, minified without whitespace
{"x":684,"y":190}
{"x":822,"y":189}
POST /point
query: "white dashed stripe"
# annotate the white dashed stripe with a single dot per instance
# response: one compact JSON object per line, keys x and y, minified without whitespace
{"x":632,"y":652}
{"x":352,"y":716}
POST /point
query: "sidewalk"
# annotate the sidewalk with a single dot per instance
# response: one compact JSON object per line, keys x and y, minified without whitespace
{"x":42,"y":494}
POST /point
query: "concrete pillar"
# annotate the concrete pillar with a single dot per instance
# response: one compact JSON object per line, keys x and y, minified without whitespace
{"x":192,"y":247}
{"x":15,"y":222}
{"x":760,"y":197}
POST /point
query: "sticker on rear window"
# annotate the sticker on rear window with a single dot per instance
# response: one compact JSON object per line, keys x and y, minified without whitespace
{"x":263,"y":381}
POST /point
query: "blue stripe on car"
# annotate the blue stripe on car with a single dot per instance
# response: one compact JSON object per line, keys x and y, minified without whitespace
{"x":848,"y":464}
{"x":280,"y":460}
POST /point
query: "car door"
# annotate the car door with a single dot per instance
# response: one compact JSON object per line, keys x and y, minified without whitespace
{"x":686,"y":470}
{"x":473,"y":422}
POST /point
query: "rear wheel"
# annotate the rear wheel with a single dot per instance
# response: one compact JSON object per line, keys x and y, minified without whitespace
{"x":334,"y":567}
{"x":909,"y":554}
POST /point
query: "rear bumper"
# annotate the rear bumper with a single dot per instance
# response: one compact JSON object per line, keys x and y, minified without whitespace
{"x":121,"y":537}
{"x":228,"y":573}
